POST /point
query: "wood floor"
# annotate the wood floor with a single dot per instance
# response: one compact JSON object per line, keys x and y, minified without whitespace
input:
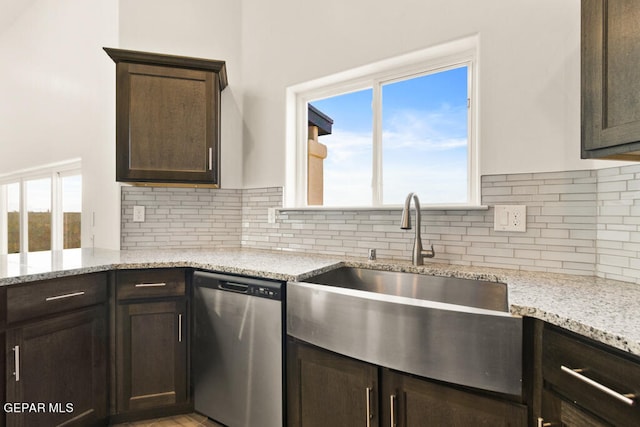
{"x":187,"y":420}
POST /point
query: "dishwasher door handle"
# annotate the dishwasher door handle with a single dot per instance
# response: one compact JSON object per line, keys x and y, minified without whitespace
{"x":234,"y":287}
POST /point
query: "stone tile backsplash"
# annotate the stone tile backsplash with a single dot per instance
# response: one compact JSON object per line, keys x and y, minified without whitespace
{"x":618,"y":226}
{"x":578,"y":222}
{"x":189,"y":218}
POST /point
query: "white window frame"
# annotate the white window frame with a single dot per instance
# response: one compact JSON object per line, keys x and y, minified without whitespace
{"x":450,"y":55}
{"x":55,"y":172}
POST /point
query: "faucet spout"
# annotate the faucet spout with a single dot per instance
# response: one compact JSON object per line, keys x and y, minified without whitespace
{"x":418,"y":254}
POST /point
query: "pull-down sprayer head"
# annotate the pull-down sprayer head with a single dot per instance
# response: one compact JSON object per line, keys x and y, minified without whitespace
{"x":405,"y":222}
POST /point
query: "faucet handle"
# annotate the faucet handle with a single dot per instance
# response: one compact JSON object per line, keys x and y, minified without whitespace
{"x":429,"y":253}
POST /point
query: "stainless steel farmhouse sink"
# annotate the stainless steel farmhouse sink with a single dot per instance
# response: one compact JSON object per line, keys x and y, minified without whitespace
{"x":449,"y":329}
{"x":451,"y":290}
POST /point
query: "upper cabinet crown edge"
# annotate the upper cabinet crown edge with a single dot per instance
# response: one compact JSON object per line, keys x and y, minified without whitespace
{"x":150,"y":58}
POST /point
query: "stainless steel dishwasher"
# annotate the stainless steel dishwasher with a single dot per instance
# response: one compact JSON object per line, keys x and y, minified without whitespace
{"x":238,"y":349}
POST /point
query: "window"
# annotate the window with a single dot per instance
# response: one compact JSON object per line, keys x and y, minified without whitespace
{"x":40,"y":209}
{"x":71,"y":210}
{"x":38,"y":198}
{"x":13,"y":217}
{"x":347,"y":167}
{"x":405,"y":125}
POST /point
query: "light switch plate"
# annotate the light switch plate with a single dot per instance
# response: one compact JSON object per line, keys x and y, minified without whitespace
{"x":138,"y":214}
{"x":510,"y":218}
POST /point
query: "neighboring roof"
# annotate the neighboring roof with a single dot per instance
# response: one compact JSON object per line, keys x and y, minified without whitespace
{"x":319,"y":119}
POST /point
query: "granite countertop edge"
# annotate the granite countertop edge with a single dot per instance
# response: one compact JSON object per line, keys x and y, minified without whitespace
{"x":610,"y":314}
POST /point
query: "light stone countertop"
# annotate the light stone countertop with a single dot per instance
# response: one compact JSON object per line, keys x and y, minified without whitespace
{"x":605,"y":310}
{"x":33,"y":266}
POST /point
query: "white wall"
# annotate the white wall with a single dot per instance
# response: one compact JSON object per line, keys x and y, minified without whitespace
{"x":57,"y":102}
{"x":529,"y":76}
{"x":199,"y":28}
{"x":57,"y":85}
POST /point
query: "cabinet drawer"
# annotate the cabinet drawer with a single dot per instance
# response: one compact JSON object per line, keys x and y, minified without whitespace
{"x":53,"y":296}
{"x":134,"y":284}
{"x":593,"y":377}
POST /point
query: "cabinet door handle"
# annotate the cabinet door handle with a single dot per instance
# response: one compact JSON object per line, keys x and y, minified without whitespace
{"x":16,"y":358}
{"x":180,"y":327}
{"x":628,"y":399}
{"x":57,"y":297}
{"x":150,"y":285}
{"x":369,"y":412}
{"x":392,"y":405}
{"x":210,"y":158}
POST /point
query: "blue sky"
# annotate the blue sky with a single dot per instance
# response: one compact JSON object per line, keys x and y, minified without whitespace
{"x":424,"y":141}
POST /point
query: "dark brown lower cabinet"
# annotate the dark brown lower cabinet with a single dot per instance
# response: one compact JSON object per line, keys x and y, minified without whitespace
{"x":151,"y":359}
{"x":557,"y":412}
{"x":3,"y":366}
{"x":325,"y":388}
{"x":3,"y":378}
{"x":410,"y":401}
{"x":585,"y":383}
{"x":59,"y":367}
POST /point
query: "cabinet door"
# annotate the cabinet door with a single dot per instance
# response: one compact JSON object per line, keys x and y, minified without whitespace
{"x":167,"y":124}
{"x":326,"y":389}
{"x":610,"y":79}
{"x":558,"y":412}
{"x":3,"y":378}
{"x":572,"y":416}
{"x":411,"y":402}
{"x":59,"y":365}
{"x":151,"y":355}
{"x":3,"y":366}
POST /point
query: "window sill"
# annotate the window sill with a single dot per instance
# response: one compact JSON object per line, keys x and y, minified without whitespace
{"x":383,"y":208}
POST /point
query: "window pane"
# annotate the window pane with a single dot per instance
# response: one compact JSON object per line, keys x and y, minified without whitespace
{"x":347,"y":167}
{"x":71,"y":210}
{"x":39,"y":214}
{"x":424,"y":138}
{"x":13,"y":218}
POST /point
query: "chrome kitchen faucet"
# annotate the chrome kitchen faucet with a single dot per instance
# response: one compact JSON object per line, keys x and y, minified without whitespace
{"x":419,"y":254}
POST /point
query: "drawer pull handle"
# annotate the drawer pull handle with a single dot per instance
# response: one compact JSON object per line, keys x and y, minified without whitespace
{"x":16,"y":358}
{"x":150,"y":285}
{"x":628,"y":399}
{"x":57,"y":297}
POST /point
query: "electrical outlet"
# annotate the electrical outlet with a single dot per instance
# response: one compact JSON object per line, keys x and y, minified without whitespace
{"x":138,"y":214}
{"x":510,"y":218}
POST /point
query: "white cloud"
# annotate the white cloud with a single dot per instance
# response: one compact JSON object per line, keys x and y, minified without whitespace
{"x":347,"y":168}
{"x":443,"y":129}
{"x":344,"y":145}
{"x":439,"y":183}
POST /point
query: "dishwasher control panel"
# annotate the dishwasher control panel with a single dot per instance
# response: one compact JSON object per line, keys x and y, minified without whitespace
{"x":243,"y":285}
{"x":267,"y":292}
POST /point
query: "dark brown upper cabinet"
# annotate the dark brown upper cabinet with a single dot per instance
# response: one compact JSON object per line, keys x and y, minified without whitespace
{"x":610,"y":123}
{"x":167,"y":118}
